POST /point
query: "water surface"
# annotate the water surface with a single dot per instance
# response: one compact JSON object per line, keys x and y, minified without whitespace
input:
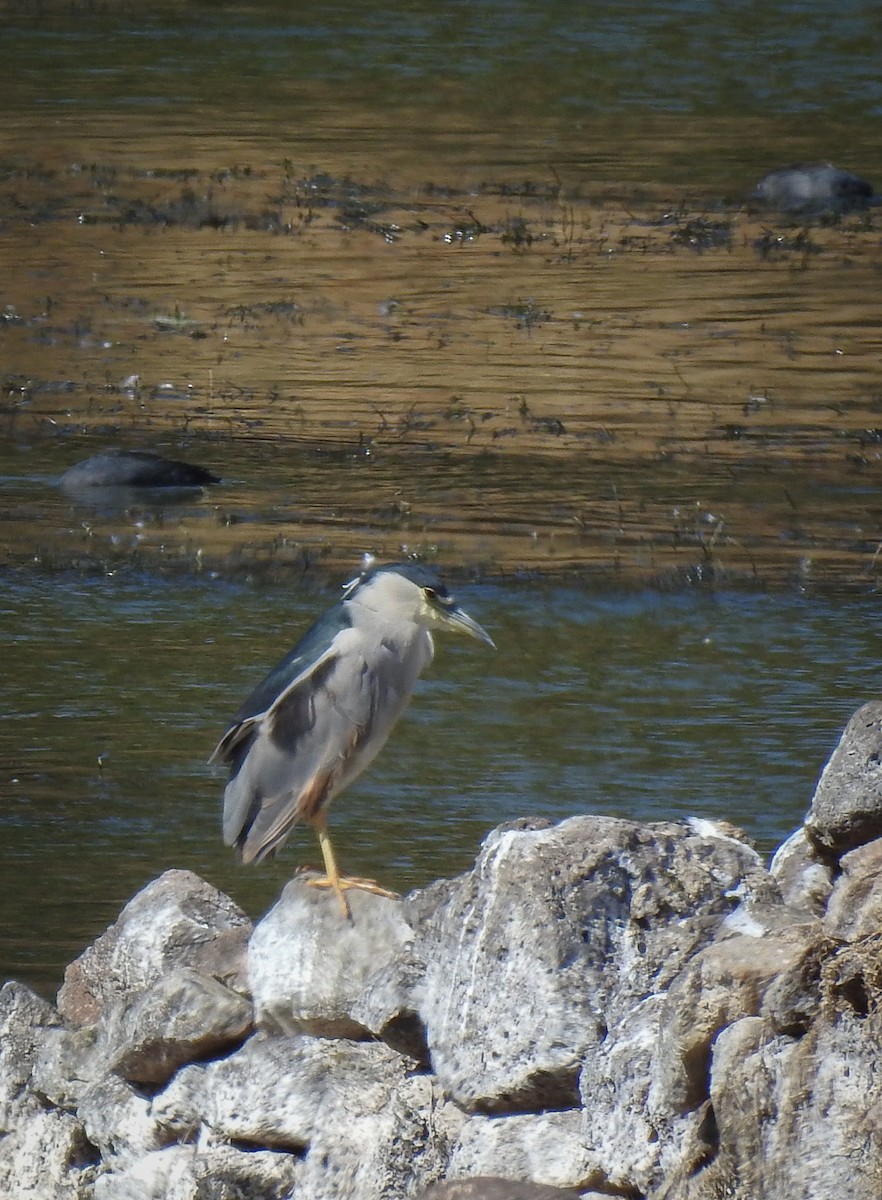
{"x":637,"y":705}
{"x":475,"y":283}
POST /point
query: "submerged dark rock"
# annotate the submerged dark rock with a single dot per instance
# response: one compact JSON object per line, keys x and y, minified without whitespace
{"x":813,"y":190}
{"x":134,"y":469}
{"x":607,"y":1006}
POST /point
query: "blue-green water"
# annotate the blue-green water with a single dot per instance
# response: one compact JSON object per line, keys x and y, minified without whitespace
{"x":805,"y":56}
{"x":644,"y":706}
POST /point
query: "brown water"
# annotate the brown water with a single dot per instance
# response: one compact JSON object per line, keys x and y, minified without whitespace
{"x":513,"y":382}
{"x":475,"y":284}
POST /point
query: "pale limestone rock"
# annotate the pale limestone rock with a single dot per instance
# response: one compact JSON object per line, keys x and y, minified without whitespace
{"x":796,"y":1118}
{"x":118,"y":1122}
{"x":180,"y":1017}
{"x":804,"y":878}
{"x":846,"y":810}
{"x":66,"y":1063}
{"x":25,"y":1019}
{"x":177,"y":920}
{"x":309,"y":967}
{"x":179,"y":1109}
{"x":350,"y":1110}
{"x":542,"y":1148}
{"x":283,"y":1092}
{"x":724,"y":982}
{"x":855,"y":908}
{"x":500,"y":1188}
{"x":46,"y":1156}
{"x":572,"y":925}
{"x":201,"y":1173}
{"x":44,"y":1152}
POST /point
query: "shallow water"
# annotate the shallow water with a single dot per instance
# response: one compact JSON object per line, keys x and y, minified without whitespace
{"x":475,"y":283}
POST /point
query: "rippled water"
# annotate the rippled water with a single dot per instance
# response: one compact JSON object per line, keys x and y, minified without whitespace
{"x":473,"y":281}
{"x":638,"y":705}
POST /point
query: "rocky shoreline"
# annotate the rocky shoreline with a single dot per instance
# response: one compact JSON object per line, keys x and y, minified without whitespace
{"x":607,"y":1006}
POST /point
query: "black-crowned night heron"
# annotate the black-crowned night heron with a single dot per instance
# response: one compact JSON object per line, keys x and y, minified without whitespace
{"x":325,"y":711}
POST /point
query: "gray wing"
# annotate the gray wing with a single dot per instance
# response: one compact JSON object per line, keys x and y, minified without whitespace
{"x":320,"y":733}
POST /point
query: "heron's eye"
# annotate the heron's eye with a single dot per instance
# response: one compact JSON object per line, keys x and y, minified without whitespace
{"x":430,"y":593}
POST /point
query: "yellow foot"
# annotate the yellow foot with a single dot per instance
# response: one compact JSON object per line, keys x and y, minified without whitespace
{"x":346,"y":883}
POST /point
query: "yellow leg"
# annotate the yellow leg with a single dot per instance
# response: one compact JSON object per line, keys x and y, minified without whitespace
{"x":333,"y":879}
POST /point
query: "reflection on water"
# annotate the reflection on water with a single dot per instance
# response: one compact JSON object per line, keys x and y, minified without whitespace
{"x":637,"y":705}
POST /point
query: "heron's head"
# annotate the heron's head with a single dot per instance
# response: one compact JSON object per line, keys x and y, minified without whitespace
{"x":413,"y":592}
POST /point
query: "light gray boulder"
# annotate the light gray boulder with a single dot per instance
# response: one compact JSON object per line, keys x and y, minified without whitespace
{"x":181,"y":1017}
{"x":190,"y":1172}
{"x":846,"y":810}
{"x":539,"y":1148}
{"x":143,"y":1037}
{"x":499,"y":1188}
{"x":118,"y":1123}
{"x":855,"y":908}
{"x":795,"y":1117}
{"x":178,"y":920}
{"x":44,"y":1151}
{"x":804,"y":877}
{"x":25,"y":1019}
{"x":312,"y":971}
{"x":351,"y":1114}
{"x":533,"y":958}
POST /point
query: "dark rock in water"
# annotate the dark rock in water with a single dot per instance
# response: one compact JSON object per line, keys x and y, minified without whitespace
{"x":807,"y":189}
{"x":135,"y":469}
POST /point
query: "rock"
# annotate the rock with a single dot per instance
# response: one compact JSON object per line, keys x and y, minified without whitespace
{"x":308,"y":967}
{"x":846,"y":810}
{"x":45,"y":1151}
{"x":812,"y":190}
{"x":543,"y":1148}
{"x":117,"y":1121}
{"x":488,"y":1187}
{"x":46,"y":1157}
{"x":143,"y":1038}
{"x":181,"y":1017}
{"x":280,"y":1092}
{"x":66,"y":1064}
{"x":579,"y":922}
{"x":855,"y":908}
{"x":25,"y":1020}
{"x":724,"y":982}
{"x":178,"y":920}
{"x":179,"y":1109}
{"x":201,"y":1173}
{"x":134,"y":469}
{"x":300,"y":1094}
{"x":631,"y":1008}
{"x":804,"y":878}
{"x":772,"y":1097}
